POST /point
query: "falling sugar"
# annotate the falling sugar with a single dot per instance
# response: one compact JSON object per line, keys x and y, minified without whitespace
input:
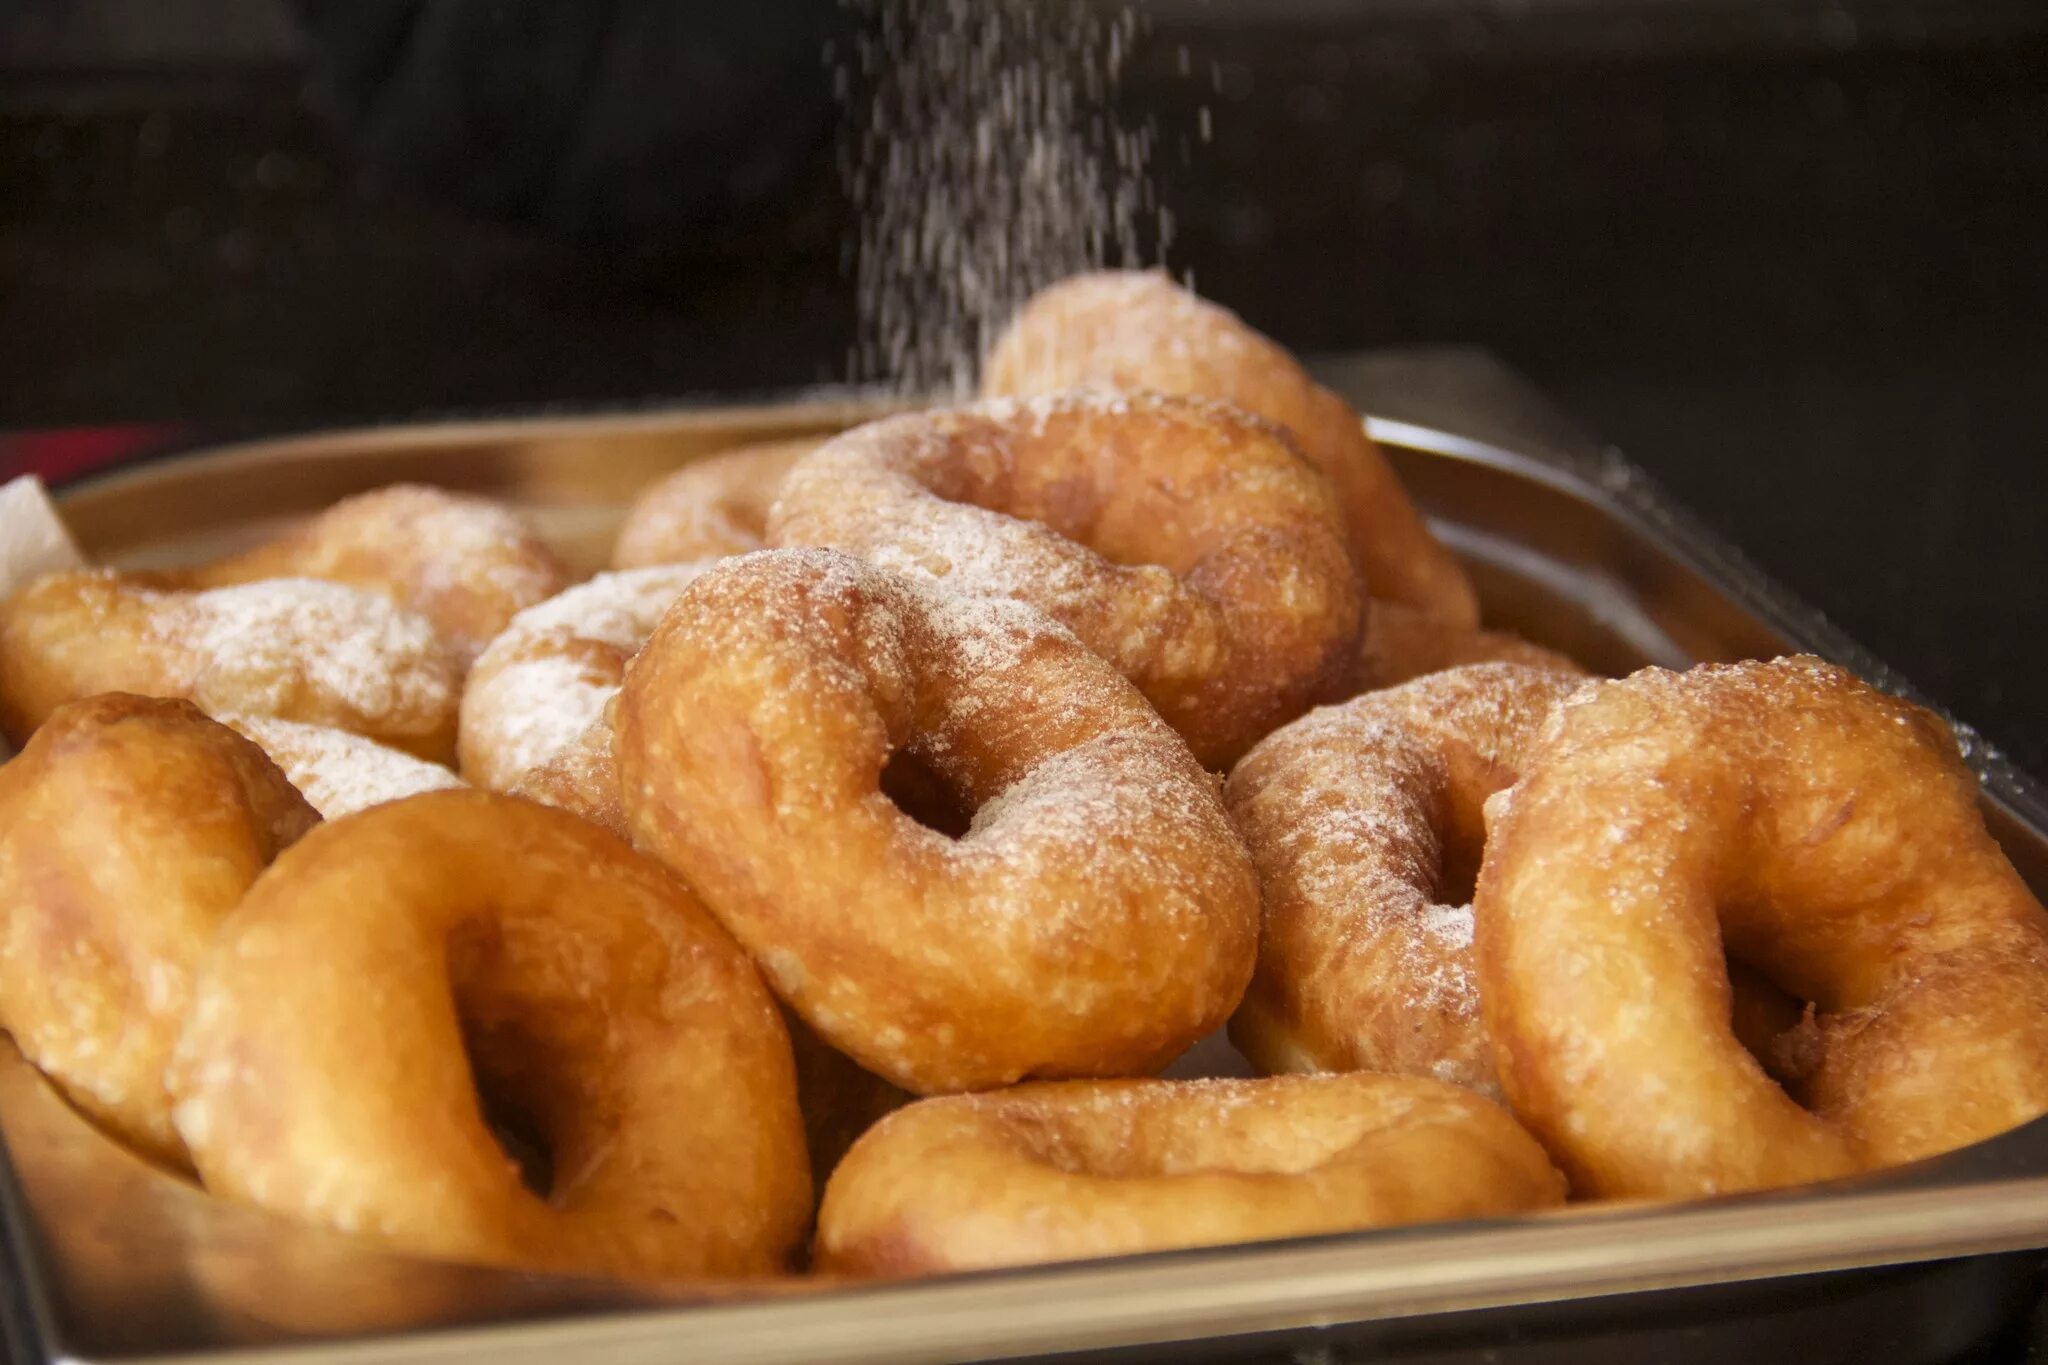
{"x":987,"y":162}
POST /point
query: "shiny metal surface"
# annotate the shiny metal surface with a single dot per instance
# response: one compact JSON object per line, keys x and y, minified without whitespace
{"x":114,"y":1259}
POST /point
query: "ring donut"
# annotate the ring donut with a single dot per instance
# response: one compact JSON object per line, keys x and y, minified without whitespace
{"x":1364,"y":823}
{"x":1139,"y":330}
{"x":402,"y":970}
{"x":710,"y":508}
{"x":1402,"y":644}
{"x":339,"y":773}
{"x":1185,"y":542}
{"x":1097,"y":916}
{"x":297,"y":649}
{"x":1791,"y":817}
{"x":1077,"y":1169}
{"x":129,"y":828}
{"x":549,"y":676}
{"x":466,"y":564}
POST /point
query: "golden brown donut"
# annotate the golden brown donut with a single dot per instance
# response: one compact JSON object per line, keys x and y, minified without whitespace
{"x":1081,"y":1169}
{"x":296,"y":649}
{"x":404,"y":975}
{"x":1794,"y":818}
{"x":1097,"y":917}
{"x":549,"y":676}
{"x":1402,"y":644}
{"x":1364,"y":823}
{"x":709,"y":508}
{"x":339,"y":773}
{"x":129,"y":827}
{"x":466,"y":564}
{"x":1139,"y":330}
{"x":1185,"y":542}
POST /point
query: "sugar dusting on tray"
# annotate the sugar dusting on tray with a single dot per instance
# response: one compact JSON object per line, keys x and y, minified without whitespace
{"x":987,"y":162}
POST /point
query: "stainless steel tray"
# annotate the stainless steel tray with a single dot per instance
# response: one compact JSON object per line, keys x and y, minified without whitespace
{"x":110,"y":1259}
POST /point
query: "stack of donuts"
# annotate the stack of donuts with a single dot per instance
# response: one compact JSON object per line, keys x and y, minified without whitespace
{"x":826,"y":887}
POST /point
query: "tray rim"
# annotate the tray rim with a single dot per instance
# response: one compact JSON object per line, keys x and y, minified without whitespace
{"x":1186,"y":1296}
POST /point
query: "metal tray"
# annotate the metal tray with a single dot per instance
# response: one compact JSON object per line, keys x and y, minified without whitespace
{"x":111,"y":1259}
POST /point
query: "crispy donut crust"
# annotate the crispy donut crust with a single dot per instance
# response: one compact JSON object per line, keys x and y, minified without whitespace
{"x":129,"y":828}
{"x":1185,"y":542}
{"x":393,"y":961}
{"x":709,"y":508}
{"x":1098,"y":917}
{"x":1081,"y":1169}
{"x":316,"y":652}
{"x":466,"y":564}
{"x":1402,"y":644}
{"x":552,"y":672}
{"x":1357,"y":817}
{"x":1139,"y":330}
{"x":1818,"y":830}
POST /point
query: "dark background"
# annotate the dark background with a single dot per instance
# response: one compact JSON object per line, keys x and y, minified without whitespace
{"x":1787,"y":255}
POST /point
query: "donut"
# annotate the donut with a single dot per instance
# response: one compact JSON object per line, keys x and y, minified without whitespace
{"x":549,"y":676}
{"x":1402,"y":643}
{"x":1185,"y":542}
{"x":582,"y":779}
{"x":1076,"y":1169}
{"x":709,"y":508}
{"x":295,"y":649}
{"x":466,"y":564}
{"x":339,"y":773}
{"x":1364,"y":822}
{"x":129,"y":827}
{"x":1139,"y":330}
{"x":403,"y":978}
{"x":1096,"y":917}
{"x":1792,"y":818}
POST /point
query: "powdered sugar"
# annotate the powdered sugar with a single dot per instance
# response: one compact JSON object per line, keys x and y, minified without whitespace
{"x":256,"y":646}
{"x":339,"y":773}
{"x":549,"y":677}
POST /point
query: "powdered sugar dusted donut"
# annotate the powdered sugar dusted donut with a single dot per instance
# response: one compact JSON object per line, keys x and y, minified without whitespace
{"x":339,"y":773}
{"x":466,"y":564}
{"x":1134,"y":330}
{"x":710,"y":508}
{"x":296,"y":649}
{"x":1361,"y":818}
{"x":1403,"y":643}
{"x":548,"y":678}
{"x":1096,"y":917}
{"x":1789,"y":816}
{"x":1183,"y":540}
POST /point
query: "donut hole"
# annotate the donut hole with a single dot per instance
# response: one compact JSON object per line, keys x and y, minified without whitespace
{"x":520,"y":1137}
{"x":1773,"y":1025}
{"x":923,"y":796}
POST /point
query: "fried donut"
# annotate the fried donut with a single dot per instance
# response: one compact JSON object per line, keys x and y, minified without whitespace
{"x":1099,"y":914}
{"x":339,"y":773}
{"x":129,"y":827}
{"x":1364,"y":823}
{"x":1799,"y":821}
{"x":295,"y":649}
{"x":550,"y":675}
{"x":709,"y":508}
{"x":1402,"y":644}
{"x":1139,"y":330}
{"x":466,"y":564}
{"x":1185,"y":542}
{"x":402,"y":973}
{"x":1079,"y":1169}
